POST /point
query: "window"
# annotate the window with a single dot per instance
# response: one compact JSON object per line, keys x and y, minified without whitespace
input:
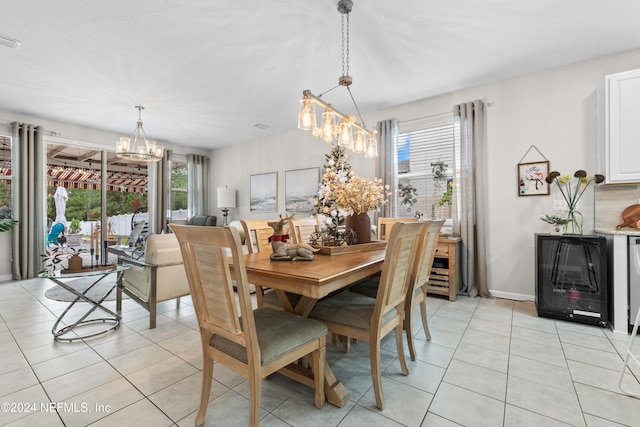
{"x":425,"y":167}
{"x":178,"y":188}
{"x":5,"y":177}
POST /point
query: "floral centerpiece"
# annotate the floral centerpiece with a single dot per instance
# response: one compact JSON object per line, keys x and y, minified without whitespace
{"x":356,"y":196}
{"x":572,"y":190}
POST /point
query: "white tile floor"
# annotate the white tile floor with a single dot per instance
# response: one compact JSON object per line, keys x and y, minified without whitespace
{"x":491,"y":362}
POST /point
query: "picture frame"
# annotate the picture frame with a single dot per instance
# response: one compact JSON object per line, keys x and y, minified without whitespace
{"x":301,"y":190}
{"x":263,"y":192}
{"x":532,"y":179}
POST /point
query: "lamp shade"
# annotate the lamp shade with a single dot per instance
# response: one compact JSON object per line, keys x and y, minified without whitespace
{"x":226,"y":197}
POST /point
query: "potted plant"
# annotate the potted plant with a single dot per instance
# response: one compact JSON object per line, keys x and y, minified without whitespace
{"x":557,"y":223}
{"x":75,"y":236}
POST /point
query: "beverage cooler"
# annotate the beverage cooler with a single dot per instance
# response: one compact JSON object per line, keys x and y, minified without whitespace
{"x":572,"y":278}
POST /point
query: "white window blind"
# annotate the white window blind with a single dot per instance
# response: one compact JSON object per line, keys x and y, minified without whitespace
{"x":421,"y":145}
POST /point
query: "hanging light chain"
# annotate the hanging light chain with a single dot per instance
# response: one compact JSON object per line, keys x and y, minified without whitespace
{"x":345,"y":45}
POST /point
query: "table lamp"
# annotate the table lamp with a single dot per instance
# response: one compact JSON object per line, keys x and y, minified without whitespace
{"x":226,"y":200}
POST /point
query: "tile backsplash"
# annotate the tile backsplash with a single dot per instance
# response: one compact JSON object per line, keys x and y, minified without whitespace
{"x":610,"y":201}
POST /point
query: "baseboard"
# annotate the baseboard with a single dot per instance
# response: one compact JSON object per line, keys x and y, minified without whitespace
{"x":6,"y":277}
{"x":512,"y":296}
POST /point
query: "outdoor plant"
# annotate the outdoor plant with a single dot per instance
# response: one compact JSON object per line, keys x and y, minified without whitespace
{"x":6,"y":222}
{"x":74,"y":226}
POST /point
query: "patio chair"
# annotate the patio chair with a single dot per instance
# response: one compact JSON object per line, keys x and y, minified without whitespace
{"x":358,"y":316}
{"x":252,"y":343}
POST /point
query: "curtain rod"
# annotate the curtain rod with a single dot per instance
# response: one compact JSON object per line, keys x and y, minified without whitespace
{"x":47,"y":132}
{"x":425,"y":118}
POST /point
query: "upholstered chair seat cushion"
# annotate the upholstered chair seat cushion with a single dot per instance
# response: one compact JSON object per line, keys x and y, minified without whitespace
{"x":278,"y":333}
{"x":350,"y":309}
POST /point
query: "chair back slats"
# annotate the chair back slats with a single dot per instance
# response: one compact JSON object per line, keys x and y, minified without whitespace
{"x":205,"y":251}
{"x":402,"y":249}
{"x":257,"y":233}
{"x":303,"y":228}
{"x":424,"y":262}
{"x":386,"y":224}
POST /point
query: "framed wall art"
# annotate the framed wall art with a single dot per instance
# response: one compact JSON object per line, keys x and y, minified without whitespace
{"x":531,"y":179}
{"x":300,"y":190}
{"x":263,"y":192}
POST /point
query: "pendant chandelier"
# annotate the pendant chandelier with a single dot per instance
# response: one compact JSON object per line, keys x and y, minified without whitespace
{"x":138,"y":147}
{"x":335,"y":125}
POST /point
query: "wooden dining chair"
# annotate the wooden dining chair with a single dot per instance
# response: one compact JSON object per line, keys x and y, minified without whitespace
{"x":385,"y":225}
{"x":419,"y":282}
{"x":252,"y":343}
{"x":303,"y":228}
{"x":256,"y":236}
{"x":358,"y":316}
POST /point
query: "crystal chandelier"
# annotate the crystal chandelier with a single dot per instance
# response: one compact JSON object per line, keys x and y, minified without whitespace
{"x":138,"y":147}
{"x":335,"y":125}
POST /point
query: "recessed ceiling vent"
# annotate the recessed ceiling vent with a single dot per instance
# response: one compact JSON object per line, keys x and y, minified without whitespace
{"x":261,"y":126}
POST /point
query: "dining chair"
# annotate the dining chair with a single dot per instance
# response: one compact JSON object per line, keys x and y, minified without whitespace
{"x":257,"y":233}
{"x":358,"y":316}
{"x":417,"y":293}
{"x":303,"y":228}
{"x":420,"y":281}
{"x":385,"y":225}
{"x":252,"y":343}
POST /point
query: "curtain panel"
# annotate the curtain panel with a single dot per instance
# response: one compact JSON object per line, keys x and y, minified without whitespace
{"x":159,"y":188}
{"x":469,"y":215}
{"x":29,"y":200}
{"x":198,"y":185}
{"x":386,"y":165}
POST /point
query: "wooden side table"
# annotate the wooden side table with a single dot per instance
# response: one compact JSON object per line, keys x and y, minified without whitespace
{"x":445,"y":273}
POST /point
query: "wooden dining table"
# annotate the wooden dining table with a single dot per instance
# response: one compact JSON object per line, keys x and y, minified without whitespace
{"x":313,"y":280}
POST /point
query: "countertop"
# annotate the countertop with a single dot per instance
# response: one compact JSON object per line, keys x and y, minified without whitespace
{"x":624,"y":231}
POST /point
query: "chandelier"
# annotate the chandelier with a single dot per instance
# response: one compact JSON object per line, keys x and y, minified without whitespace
{"x":335,"y":125}
{"x":138,"y":147}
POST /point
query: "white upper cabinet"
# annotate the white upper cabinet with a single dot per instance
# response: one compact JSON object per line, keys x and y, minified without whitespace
{"x":620,"y":137}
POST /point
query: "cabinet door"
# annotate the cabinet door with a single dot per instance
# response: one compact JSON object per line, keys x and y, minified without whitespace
{"x":622,"y":139}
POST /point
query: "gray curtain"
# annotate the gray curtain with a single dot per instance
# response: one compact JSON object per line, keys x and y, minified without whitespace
{"x":198,"y":185}
{"x":159,"y":188}
{"x":29,"y":195}
{"x":386,"y":164}
{"x":469,"y":213}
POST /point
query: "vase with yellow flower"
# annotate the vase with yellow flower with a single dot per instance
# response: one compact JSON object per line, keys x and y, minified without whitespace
{"x":357,"y":196}
{"x":572,"y":190}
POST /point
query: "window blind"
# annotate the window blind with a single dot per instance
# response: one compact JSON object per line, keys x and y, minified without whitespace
{"x":423,"y":147}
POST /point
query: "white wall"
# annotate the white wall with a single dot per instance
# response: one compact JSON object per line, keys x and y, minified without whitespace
{"x":555,"y":110}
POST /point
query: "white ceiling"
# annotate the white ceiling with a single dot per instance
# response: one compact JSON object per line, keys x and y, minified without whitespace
{"x":207,"y":71}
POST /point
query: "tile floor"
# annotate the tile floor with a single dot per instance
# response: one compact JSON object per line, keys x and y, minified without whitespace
{"x":491,"y":362}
